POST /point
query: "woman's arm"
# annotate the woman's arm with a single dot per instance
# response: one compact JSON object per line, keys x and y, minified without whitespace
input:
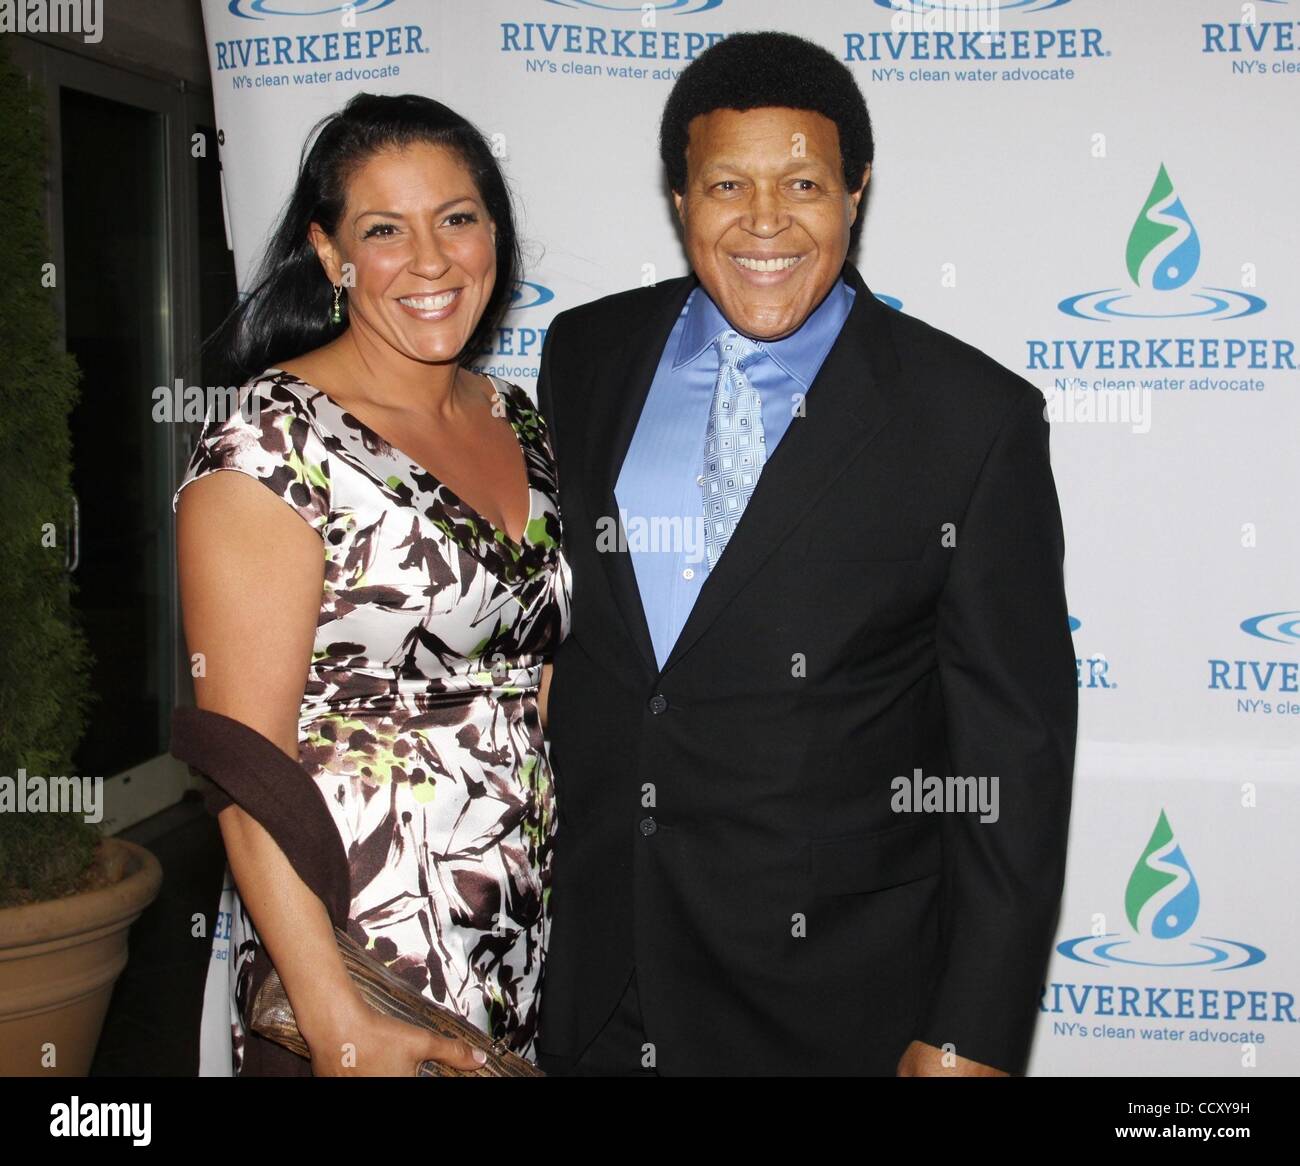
{"x":251,"y":578}
{"x":542,"y":690}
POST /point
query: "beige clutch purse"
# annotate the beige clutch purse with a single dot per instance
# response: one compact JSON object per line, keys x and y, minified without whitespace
{"x":272,"y":1017}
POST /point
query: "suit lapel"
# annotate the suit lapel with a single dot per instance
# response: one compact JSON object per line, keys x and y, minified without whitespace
{"x":624,"y":380}
{"x":847,"y":405}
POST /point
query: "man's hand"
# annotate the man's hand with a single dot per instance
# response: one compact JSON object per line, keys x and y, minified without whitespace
{"x":923,"y":1060}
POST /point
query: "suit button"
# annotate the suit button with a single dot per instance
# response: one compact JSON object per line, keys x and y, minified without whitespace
{"x":648,"y":826}
{"x":658,"y":703}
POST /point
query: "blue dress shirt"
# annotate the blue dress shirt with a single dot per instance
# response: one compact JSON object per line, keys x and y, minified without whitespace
{"x":658,"y":488}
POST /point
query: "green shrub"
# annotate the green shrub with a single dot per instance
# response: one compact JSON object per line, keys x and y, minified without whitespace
{"x":43,"y":856}
{"x":44,"y":660}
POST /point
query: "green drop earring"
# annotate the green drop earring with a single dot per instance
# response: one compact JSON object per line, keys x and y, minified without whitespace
{"x":336,"y":316}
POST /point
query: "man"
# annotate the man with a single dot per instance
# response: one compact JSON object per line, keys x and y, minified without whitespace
{"x":743,"y":885}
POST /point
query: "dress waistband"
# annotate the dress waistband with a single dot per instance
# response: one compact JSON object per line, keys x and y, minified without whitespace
{"x":375,"y":691}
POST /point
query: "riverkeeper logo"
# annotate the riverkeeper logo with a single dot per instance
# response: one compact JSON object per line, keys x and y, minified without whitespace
{"x":526,"y":294}
{"x":1254,"y":44}
{"x":1282,"y":627}
{"x":1263,"y":687}
{"x":270,"y":9}
{"x":940,"y":41}
{"x":1092,"y":672}
{"x":1162,"y":255}
{"x":569,"y":49}
{"x":1162,"y":903}
{"x":513,"y":341}
{"x":674,"y":7}
{"x":340,"y":53}
{"x":925,"y":7}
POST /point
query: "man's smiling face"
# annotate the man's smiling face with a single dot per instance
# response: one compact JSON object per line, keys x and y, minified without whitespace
{"x":766,"y":214}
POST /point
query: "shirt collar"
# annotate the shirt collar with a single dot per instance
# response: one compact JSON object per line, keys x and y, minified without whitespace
{"x":800,"y":354}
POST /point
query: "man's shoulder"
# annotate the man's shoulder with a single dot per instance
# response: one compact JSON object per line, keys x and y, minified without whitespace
{"x":619,"y":309}
{"x":953,"y":370}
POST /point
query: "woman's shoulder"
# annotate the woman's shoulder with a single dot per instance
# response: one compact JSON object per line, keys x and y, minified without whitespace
{"x":527,"y":418}
{"x":285,"y":391}
{"x":269,"y":432}
{"x":524,"y":402}
{"x":280,"y":399}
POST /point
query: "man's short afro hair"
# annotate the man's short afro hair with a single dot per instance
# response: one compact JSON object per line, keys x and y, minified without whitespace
{"x":755,"y":70}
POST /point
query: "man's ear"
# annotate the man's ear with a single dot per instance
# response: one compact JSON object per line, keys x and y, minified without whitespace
{"x":326,"y":252}
{"x":856,"y":196}
{"x":677,"y":203}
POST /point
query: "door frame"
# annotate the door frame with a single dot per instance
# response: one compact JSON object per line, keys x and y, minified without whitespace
{"x":154,"y":783}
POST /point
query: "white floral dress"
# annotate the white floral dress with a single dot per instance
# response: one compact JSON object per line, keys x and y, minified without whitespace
{"x":419,"y":722}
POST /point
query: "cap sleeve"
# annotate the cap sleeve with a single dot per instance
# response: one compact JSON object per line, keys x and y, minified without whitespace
{"x":270,"y":436}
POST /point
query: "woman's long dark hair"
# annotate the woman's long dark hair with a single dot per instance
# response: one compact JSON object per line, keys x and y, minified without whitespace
{"x":288,"y":311}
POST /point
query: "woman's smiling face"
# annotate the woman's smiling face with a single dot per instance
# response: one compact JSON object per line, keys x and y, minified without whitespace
{"x":422,"y":250}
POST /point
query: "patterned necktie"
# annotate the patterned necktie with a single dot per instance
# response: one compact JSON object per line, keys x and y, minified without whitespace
{"x":734,"y":451}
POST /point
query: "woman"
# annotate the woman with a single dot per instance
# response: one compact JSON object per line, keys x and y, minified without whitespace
{"x":378,"y":588}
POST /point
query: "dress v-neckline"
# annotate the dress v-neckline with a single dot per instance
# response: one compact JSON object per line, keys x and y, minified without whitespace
{"x":498,"y":534}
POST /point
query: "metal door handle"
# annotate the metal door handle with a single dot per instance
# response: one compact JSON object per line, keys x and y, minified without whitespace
{"x":73,"y":556}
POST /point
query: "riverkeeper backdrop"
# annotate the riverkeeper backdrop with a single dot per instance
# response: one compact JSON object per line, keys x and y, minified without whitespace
{"x":1099,"y":193}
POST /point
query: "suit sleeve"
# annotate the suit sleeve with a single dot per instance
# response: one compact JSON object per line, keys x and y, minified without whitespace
{"x":1007,"y":673}
{"x":545,"y":387}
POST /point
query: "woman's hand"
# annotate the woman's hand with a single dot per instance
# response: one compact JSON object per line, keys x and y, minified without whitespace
{"x":360,"y":1042}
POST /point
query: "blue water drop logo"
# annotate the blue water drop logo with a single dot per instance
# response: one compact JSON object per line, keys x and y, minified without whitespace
{"x":1164,"y":249}
{"x":1162,"y":899}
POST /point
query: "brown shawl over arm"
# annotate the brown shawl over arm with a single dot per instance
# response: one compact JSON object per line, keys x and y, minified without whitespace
{"x":271,"y":787}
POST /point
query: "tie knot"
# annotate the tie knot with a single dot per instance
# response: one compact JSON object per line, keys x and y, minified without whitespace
{"x":735,"y":350}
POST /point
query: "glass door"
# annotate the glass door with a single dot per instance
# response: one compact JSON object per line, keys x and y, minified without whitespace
{"x":117,"y":285}
{"x":144,"y":273}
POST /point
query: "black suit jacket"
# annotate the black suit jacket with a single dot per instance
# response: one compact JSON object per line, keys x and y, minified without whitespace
{"x":891,"y":600}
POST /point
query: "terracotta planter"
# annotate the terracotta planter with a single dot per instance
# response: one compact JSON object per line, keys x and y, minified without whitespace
{"x":58,"y":963}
